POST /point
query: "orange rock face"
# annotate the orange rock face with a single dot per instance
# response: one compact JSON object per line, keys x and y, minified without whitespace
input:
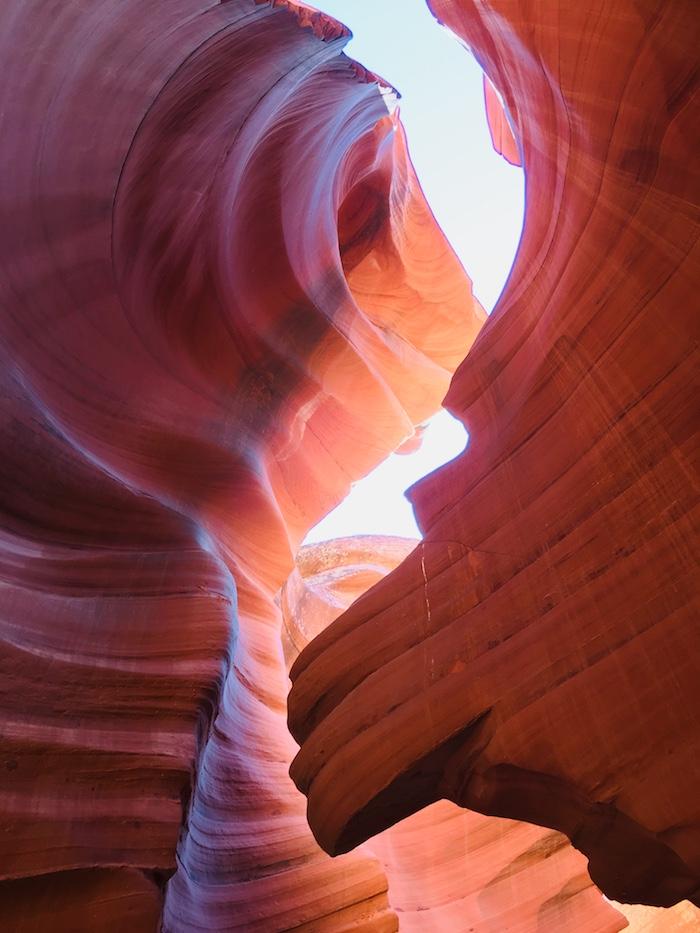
{"x":447,"y":868}
{"x":536,"y":656}
{"x":223,"y":298}
{"x":327,"y":578}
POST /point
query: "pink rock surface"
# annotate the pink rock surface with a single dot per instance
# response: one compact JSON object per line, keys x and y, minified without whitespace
{"x":223,"y":298}
{"x":536,"y":657}
{"x":215,"y":264}
{"x":502,"y":135}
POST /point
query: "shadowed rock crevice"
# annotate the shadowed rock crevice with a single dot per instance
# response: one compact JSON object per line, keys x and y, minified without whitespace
{"x":605,"y":835}
{"x":409,"y":792}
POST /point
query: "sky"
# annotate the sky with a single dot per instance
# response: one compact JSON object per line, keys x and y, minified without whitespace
{"x":476,"y":197}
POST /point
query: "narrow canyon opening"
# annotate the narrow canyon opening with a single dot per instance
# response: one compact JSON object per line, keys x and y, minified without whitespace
{"x":477,"y":199}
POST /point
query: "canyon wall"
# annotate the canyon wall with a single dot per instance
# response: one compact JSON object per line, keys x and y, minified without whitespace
{"x":223,"y":299}
{"x":535,"y":658}
{"x":449,"y":868}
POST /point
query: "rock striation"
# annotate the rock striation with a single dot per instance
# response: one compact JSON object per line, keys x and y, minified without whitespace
{"x":447,"y":868}
{"x":223,"y":298}
{"x":535,"y":657}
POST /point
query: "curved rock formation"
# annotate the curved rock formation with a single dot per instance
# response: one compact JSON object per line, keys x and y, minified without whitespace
{"x":327,"y":578}
{"x":223,"y":298}
{"x":536,"y":656}
{"x":447,"y":868}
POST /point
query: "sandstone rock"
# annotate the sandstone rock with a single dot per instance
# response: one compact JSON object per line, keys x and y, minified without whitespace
{"x":104,"y":900}
{"x":447,"y":868}
{"x":502,"y":135}
{"x":223,"y":298}
{"x":536,"y":656}
{"x":215,"y":264}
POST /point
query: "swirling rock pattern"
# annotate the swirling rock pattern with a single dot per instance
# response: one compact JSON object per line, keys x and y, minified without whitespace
{"x":536,"y":656}
{"x":223,"y":298}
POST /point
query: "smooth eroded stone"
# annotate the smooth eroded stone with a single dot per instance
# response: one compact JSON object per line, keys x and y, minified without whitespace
{"x":536,"y":656}
{"x":447,"y":868}
{"x":223,"y":298}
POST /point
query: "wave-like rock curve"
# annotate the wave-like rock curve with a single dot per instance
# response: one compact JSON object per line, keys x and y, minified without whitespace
{"x":536,"y":656}
{"x":223,"y":298}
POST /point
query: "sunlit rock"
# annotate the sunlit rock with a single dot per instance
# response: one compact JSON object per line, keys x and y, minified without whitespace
{"x":447,"y":868}
{"x":223,"y":299}
{"x":536,"y":656}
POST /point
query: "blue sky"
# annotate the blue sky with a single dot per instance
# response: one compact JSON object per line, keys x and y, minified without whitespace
{"x":475,"y":195}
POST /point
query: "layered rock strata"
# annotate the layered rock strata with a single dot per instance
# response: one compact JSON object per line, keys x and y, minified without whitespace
{"x":536,"y":656}
{"x":448,"y":868}
{"x":223,"y":298}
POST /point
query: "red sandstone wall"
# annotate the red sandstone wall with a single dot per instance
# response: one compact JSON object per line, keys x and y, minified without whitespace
{"x":201,"y":201}
{"x":448,"y":868}
{"x":536,"y":657}
{"x":223,"y":298}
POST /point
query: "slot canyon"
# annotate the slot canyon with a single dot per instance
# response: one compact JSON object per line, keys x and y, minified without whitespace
{"x":224,"y":299}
